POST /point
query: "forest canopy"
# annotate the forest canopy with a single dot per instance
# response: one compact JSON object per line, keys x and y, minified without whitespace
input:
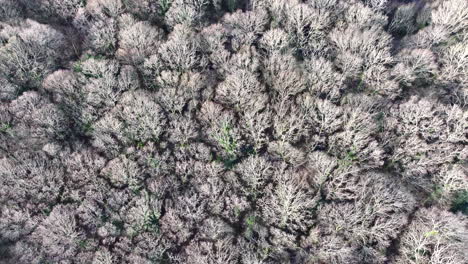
{"x":234,"y":131}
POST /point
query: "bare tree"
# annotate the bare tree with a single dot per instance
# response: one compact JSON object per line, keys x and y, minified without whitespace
{"x":451,"y":181}
{"x":322,"y":79}
{"x":100,"y":34}
{"x":214,"y":39}
{"x":233,"y":131}
{"x":242,"y":90}
{"x":142,"y":117}
{"x":107,"y":135}
{"x":377,"y":4}
{"x":54,"y":9}
{"x":30,"y":53}
{"x":245,"y":27}
{"x":357,"y":137}
{"x":255,"y":125}
{"x":452,"y":15}
{"x":179,"y":90}
{"x":275,"y":40}
{"x":255,"y":171}
{"x":415,"y":65}
{"x":34,"y":176}
{"x":37,"y":120}
{"x":357,"y":48}
{"x":322,"y":167}
{"x":186,"y":12}
{"x":137,"y":39}
{"x":434,"y":236}
{"x":286,"y":205}
{"x":182,"y":50}
{"x":113,"y":8}
{"x":123,"y":172}
{"x":376,"y":215}
{"x":283,"y":75}
{"x":222,"y":251}
{"x":222,"y":129}
{"x":8,"y":90}
{"x":404,"y":19}
{"x":305,"y":27}
{"x":9,"y":10}
{"x":103,"y":257}
{"x":58,"y":235}
{"x":453,"y":73}
{"x":364,"y":16}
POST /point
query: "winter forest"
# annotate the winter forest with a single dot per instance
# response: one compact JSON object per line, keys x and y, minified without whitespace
{"x":234,"y":131}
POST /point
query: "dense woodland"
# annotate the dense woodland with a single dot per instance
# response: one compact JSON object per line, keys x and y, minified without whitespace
{"x":234,"y":131}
